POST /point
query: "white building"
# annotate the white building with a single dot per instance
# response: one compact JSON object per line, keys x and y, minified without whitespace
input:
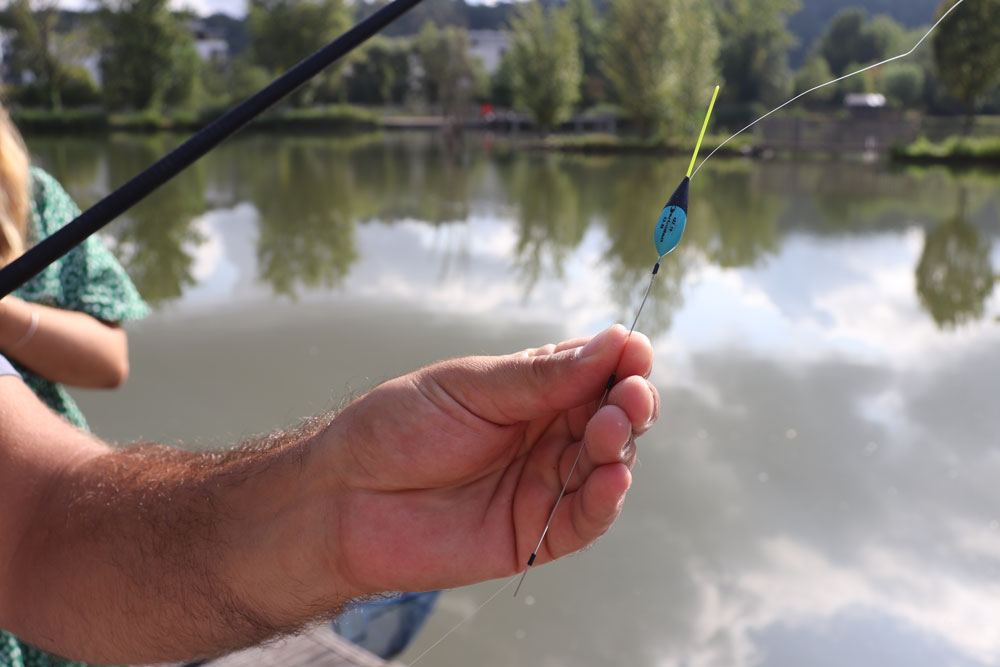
{"x":489,"y":46}
{"x":211,"y":47}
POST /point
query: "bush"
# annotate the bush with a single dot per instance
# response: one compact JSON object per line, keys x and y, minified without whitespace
{"x":330,"y":117}
{"x":954,"y":150}
{"x":77,"y":87}
{"x":139,"y":121}
{"x":45,"y":120}
{"x":27,"y":95}
{"x":903,"y":84}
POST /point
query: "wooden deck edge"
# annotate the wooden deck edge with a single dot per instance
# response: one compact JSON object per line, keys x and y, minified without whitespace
{"x":318,"y":647}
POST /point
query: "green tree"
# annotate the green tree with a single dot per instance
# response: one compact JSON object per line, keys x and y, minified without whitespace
{"x":753,"y":58}
{"x":183,"y":78}
{"x":659,"y":58}
{"x":450,"y":76}
{"x":150,"y":57}
{"x":588,"y":33}
{"x":502,"y":83}
{"x":967,"y":50}
{"x":695,"y":40}
{"x":636,"y":59}
{"x":903,"y":84}
{"x":814,"y":73}
{"x":283,"y":32}
{"x":31,"y":50}
{"x":245,"y":78}
{"x":545,"y":63}
{"x":840,"y":42}
{"x":885,"y":37}
{"x":379,"y":72}
{"x":852,"y":38}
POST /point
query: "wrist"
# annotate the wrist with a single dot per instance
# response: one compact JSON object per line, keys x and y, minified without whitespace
{"x":285,"y":558}
{"x":15,"y":321}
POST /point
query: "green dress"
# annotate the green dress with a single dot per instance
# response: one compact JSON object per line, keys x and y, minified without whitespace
{"x":88,"y":279}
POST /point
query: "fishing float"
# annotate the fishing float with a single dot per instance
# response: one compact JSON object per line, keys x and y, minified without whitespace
{"x":667,"y":234}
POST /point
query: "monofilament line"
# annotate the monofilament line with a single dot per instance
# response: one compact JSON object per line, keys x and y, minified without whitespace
{"x":579,"y":451}
{"x":828,"y":83}
{"x":462,"y":622}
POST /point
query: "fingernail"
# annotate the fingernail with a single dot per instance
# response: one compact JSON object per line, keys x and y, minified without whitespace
{"x":594,"y":345}
{"x":627,"y":448}
{"x":656,"y":404}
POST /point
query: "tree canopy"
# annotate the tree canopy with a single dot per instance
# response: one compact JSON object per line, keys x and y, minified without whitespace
{"x":753,"y":57}
{"x":852,"y":39}
{"x":967,"y":49}
{"x":283,"y":32}
{"x":450,"y":77}
{"x":545,"y":64}
{"x":149,"y":59}
{"x":659,"y":58}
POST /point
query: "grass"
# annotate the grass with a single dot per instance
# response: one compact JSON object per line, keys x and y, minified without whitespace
{"x":64,"y":121}
{"x":611,"y":143}
{"x":331,"y":117}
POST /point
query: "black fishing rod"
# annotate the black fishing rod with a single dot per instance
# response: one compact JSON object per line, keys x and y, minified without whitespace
{"x":31,"y":263}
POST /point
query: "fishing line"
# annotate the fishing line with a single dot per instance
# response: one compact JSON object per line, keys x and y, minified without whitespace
{"x":32,"y":262}
{"x":579,"y":452}
{"x":838,"y":79}
{"x":462,"y":622}
{"x":669,"y":230}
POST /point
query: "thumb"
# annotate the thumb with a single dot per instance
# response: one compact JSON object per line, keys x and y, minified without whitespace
{"x":523,"y":386}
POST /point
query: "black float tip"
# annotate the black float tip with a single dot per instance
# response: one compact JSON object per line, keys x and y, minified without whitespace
{"x":680,"y":196}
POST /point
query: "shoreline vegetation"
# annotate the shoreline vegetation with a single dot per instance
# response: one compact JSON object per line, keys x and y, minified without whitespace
{"x":957,"y":151}
{"x":953,"y":150}
{"x":337,"y":117}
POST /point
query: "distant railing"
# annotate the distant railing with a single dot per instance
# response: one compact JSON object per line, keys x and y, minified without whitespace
{"x":857,"y":134}
{"x":862,"y":132}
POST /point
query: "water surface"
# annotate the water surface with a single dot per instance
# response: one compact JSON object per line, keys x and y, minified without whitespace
{"x":822,"y":486}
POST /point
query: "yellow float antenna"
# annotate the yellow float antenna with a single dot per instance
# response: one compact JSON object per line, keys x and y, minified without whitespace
{"x":704,"y":127}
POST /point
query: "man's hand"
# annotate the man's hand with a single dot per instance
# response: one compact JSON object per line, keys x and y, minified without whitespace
{"x":449,"y":473}
{"x":442,"y":477}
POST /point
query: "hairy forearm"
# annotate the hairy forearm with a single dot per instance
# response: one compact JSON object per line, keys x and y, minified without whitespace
{"x":64,"y":346}
{"x":151,"y":554}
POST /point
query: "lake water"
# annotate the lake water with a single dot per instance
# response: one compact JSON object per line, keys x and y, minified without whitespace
{"x":823,"y":487}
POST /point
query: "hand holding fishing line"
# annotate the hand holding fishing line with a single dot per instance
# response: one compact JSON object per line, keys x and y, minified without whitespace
{"x":448,"y":473}
{"x":669,"y":229}
{"x":438,"y":478}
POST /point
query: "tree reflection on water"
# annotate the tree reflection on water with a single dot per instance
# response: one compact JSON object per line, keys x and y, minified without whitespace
{"x":155,"y":240}
{"x":955,"y":275}
{"x":311,"y":193}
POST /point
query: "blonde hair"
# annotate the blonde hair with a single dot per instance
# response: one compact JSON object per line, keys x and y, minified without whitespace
{"x":13,"y":190}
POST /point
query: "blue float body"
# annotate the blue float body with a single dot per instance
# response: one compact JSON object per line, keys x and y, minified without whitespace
{"x":673,"y":218}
